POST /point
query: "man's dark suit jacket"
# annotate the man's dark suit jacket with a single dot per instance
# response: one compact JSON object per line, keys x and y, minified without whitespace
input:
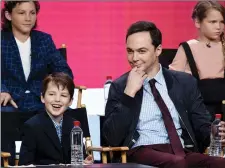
{"x":40,"y":142}
{"x":45,"y":59}
{"x":122,"y":111}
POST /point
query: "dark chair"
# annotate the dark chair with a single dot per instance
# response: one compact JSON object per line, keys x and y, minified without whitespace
{"x":80,"y":114}
{"x":11,"y":126}
{"x":5,"y":156}
{"x":63,"y":51}
{"x":112,"y":154}
{"x":167,"y":56}
{"x":80,"y":88}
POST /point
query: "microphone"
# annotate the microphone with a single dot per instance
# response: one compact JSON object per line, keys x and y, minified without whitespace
{"x":208,"y":45}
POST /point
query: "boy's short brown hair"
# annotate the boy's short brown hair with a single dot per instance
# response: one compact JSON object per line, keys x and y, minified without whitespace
{"x":59,"y":79}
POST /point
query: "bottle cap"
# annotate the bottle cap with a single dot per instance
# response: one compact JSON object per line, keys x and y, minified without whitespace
{"x":108,"y":77}
{"x":218,"y":116}
{"x":76,"y":123}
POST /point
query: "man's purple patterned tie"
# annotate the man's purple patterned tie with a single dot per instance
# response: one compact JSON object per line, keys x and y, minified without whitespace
{"x":168,"y":121}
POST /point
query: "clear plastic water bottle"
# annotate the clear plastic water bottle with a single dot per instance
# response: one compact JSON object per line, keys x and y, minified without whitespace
{"x":76,"y":137}
{"x":106,"y":87}
{"x":215,"y":148}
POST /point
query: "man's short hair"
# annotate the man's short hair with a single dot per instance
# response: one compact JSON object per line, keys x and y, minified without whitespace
{"x":59,"y":79}
{"x":145,"y":26}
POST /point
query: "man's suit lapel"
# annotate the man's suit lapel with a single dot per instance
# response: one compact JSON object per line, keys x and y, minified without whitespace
{"x":50,"y":131}
{"x":15,"y":55}
{"x":138,"y":98}
{"x":176,"y":95}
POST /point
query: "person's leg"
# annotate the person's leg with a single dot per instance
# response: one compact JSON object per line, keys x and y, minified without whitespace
{"x":202,"y":160}
{"x":156,"y":155}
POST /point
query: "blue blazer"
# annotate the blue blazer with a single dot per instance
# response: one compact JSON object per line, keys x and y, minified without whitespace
{"x":45,"y":59}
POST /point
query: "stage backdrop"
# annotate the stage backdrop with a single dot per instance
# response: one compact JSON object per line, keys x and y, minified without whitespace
{"x":94,"y":32}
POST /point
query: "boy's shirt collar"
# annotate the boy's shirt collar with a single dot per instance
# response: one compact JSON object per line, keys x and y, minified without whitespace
{"x":55,"y":123}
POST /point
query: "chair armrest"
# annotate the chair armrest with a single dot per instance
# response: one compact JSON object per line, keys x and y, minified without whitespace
{"x":83,"y":106}
{"x":81,"y":87}
{"x":103,"y":150}
{"x":122,"y":148}
{"x":107,"y":149}
{"x":5,"y":154}
{"x":99,"y":149}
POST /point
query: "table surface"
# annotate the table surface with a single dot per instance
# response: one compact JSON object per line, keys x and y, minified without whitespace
{"x":109,"y":165}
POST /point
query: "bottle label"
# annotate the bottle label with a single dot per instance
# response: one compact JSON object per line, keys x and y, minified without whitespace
{"x":76,"y":154}
{"x":215,"y":131}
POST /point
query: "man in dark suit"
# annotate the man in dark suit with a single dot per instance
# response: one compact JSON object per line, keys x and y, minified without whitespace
{"x":27,"y":56}
{"x":159,"y":114}
{"x":46,"y":136}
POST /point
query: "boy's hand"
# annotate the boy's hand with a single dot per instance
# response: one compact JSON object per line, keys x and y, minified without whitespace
{"x":89,"y":160}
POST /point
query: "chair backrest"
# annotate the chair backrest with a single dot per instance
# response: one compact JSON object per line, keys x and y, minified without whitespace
{"x":80,"y":114}
{"x":63,"y":51}
{"x":167,"y":56}
{"x":11,"y":126}
{"x":12,"y":123}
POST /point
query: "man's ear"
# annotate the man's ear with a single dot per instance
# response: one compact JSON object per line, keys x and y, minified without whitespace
{"x":8,"y":15}
{"x":42,"y":98}
{"x":158,"y":50}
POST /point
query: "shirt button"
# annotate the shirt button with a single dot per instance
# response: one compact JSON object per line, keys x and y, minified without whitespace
{"x":27,"y":91}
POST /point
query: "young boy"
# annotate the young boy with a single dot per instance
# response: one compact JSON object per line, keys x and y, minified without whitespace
{"x":46,"y":136}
